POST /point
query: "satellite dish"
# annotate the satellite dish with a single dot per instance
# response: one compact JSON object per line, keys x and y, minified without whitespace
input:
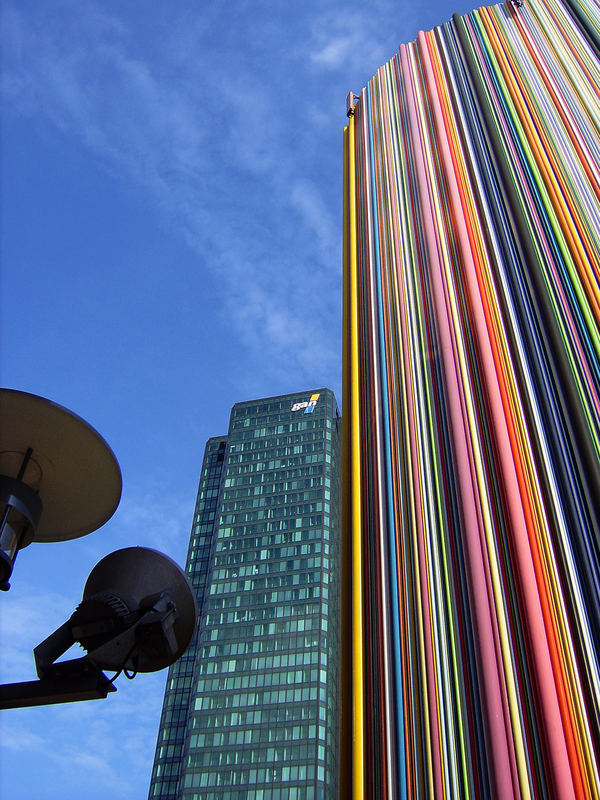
{"x":138,"y":612}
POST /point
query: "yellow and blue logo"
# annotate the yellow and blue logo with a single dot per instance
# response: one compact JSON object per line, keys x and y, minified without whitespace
{"x":307,"y":405}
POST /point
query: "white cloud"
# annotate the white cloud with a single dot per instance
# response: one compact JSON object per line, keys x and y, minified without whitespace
{"x":28,"y":617}
{"x":307,"y":198}
{"x":166,"y":123}
{"x":87,"y":744}
{"x":333,"y":53}
{"x":339,"y":38}
{"x":149,"y":519}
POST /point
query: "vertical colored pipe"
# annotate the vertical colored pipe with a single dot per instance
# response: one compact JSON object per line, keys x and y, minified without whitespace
{"x":358,"y":746}
{"x":472,"y":410}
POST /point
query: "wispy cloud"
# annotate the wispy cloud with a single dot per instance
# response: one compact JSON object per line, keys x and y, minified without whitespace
{"x":166,"y":122}
{"x":27,"y":619}
{"x":333,"y":53}
{"x":147,"y":519}
{"x":85,"y":744}
{"x":339,"y":38}
{"x":307,"y":198}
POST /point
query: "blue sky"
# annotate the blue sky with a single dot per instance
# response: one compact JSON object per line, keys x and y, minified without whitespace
{"x":171,"y":244}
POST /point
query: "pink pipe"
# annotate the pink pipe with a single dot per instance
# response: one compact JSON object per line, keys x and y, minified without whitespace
{"x":563,"y":781}
{"x":483,"y":542}
{"x":484,"y":634}
{"x":431,"y":683}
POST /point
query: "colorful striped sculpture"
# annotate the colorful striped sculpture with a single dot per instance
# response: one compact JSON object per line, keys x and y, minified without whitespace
{"x":472,"y":411}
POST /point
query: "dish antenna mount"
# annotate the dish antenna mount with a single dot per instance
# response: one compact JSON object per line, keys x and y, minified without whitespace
{"x":60,"y":480}
{"x":138,"y":614}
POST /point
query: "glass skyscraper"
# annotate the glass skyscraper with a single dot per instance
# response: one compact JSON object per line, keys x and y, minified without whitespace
{"x":251,"y":710}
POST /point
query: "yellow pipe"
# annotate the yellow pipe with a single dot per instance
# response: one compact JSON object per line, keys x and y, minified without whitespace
{"x":345,"y":762}
{"x":353,"y":484}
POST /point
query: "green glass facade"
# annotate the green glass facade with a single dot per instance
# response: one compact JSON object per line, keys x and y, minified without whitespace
{"x":251,"y":712}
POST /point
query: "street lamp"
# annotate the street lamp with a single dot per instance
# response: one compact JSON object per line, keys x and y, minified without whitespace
{"x":60,"y":480}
